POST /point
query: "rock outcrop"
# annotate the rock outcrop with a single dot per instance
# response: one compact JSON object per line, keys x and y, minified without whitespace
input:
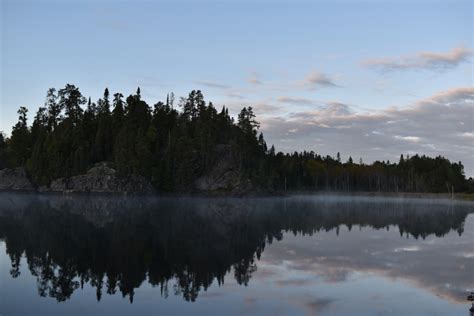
{"x":15,"y":179}
{"x":102,"y":179}
{"x":224,"y":176}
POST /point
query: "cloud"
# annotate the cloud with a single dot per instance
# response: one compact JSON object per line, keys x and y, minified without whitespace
{"x":255,"y":79}
{"x":235,"y":95}
{"x":421,"y":61}
{"x":337,"y":109}
{"x":328,"y":110}
{"x":437,"y":125}
{"x":262,"y":108}
{"x":265,"y":108}
{"x":318,"y":79}
{"x":447,"y":97}
{"x":211,"y":84}
{"x":295,"y":100}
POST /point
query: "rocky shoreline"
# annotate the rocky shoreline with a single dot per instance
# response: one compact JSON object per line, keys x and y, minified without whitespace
{"x":221,"y":181}
{"x":102,"y":179}
{"x":99,"y":179}
{"x":15,"y":179}
{"x":224,"y":178}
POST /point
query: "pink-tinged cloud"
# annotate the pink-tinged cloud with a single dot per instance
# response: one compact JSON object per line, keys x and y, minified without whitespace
{"x":317,"y":79}
{"x":296,"y":100}
{"x":255,"y":79}
{"x":212,"y":84}
{"x":421,"y":61}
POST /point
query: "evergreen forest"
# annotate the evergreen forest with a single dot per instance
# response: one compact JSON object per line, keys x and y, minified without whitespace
{"x":173,"y":143}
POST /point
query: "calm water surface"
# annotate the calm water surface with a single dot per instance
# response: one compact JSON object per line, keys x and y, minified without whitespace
{"x":265,"y":256}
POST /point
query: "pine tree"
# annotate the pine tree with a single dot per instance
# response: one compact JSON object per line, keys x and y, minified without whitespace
{"x":103,"y":105}
{"x":71,"y":99}
{"x":3,"y":151}
{"x":138,"y":94}
{"x":54,"y":109}
{"x":118,"y":111}
{"x":20,"y":141}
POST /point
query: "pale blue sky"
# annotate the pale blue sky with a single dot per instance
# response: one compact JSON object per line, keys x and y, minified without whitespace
{"x":285,"y":58}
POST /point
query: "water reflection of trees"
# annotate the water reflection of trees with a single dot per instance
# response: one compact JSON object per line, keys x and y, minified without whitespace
{"x":180,"y":245}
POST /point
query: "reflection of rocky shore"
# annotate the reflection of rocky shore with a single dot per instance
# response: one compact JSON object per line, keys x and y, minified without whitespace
{"x":115,"y":244}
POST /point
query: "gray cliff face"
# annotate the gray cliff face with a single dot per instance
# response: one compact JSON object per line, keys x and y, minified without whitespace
{"x":224,"y":176}
{"x":102,"y":179}
{"x":15,"y":179}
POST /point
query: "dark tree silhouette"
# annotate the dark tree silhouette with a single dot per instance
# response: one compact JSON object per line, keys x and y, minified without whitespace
{"x":174,"y":148}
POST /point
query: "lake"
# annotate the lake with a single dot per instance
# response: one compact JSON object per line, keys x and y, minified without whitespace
{"x":300,"y":255}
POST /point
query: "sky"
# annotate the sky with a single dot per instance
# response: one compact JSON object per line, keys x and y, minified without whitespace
{"x":368,"y":79}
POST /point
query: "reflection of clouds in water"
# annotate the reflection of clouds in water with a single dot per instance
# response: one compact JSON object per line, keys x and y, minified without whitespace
{"x":266,"y":271}
{"x":409,"y":248}
{"x":317,"y":305}
{"x":294,"y":282}
{"x":441,"y":265}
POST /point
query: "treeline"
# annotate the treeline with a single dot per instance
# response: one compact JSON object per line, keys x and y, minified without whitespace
{"x":173,"y":148}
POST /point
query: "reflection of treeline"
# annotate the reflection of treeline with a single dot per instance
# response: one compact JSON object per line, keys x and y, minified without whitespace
{"x":174,"y":148}
{"x":115,"y":245}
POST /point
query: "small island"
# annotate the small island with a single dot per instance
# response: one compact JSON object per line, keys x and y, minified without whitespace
{"x":126,"y":146}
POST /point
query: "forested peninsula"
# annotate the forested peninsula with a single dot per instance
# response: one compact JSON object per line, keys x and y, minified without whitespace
{"x":118,"y":145}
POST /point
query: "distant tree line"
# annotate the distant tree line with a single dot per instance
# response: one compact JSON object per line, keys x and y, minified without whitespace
{"x":172,"y":148}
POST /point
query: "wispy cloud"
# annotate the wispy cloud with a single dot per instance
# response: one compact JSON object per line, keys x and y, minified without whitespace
{"x":317,"y":79}
{"x":255,"y":79}
{"x":330,"y":109}
{"x":421,"y":61}
{"x":235,"y":95}
{"x":450,"y":96}
{"x":212,"y":84}
{"x":265,"y":108}
{"x":262,"y":108}
{"x":295,"y":100}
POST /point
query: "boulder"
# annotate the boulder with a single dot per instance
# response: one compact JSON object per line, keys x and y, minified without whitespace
{"x":102,"y":179}
{"x":15,"y":179}
{"x":225,"y":176}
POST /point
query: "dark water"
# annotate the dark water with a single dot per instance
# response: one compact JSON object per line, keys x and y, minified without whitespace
{"x":262,"y":256}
